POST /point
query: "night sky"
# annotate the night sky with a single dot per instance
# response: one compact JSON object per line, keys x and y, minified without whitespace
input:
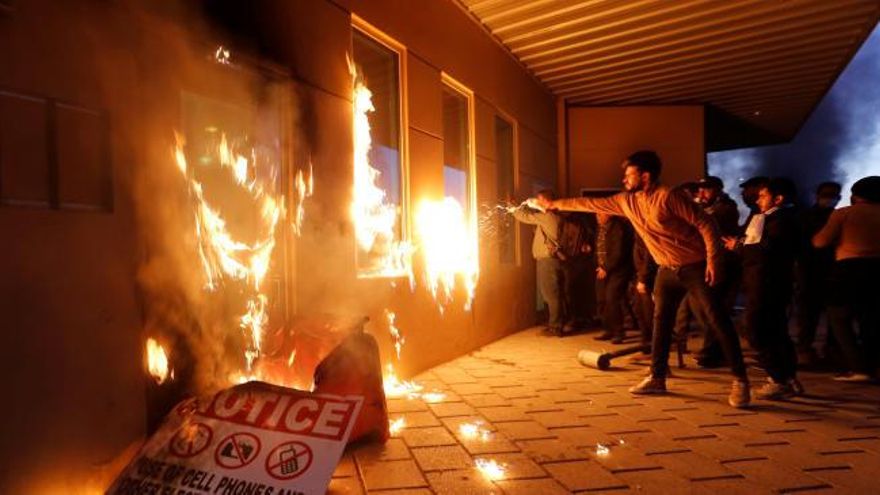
{"x":840,"y":140}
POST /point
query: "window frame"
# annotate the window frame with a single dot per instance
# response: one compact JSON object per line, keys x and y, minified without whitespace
{"x":501,"y":114}
{"x":399,"y":49}
{"x":450,"y":83}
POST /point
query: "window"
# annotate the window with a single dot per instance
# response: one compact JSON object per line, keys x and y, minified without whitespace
{"x":459,"y":178}
{"x":380,"y":176}
{"x":505,"y":156}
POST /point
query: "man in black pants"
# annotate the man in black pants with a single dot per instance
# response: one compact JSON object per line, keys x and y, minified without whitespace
{"x":614,"y":271}
{"x":684,"y":242}
{"x":768,"y":253}
{"x":646,"y":271}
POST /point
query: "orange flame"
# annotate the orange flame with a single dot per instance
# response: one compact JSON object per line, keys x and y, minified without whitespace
{"x":491,"y":468}
{"x":157,"y":361}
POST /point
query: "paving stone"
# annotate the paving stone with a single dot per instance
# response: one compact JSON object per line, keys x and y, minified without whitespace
{"x":584,"y":475}
{"x":498,"y":414}
{"x":461,"y":482}
{"x":657,"y":481}
{"x":392,"y":475}
{"x":345,"y":486}
{"x":549,"y":450}
{"x":442,"y":458}
{"x":524,"y":430}
{"x":428,"y":437}
{"x":583,"y":436}
{"x":392,"y":450}
{"x":405,"y":405}
{"x":345,"y":467}
{"x":464,"y":389}
{"x":486,"y":400}
{"x":445,"y":409}
{"x":418,"y":419}
{"x":546,"y":486}
{"x":692,"y":466}
{"x":777,"y":477}
{"x":515,"y":392}
{"x":556,"y":419}
{"x":621,"y":458}
{"x":517,"y":466}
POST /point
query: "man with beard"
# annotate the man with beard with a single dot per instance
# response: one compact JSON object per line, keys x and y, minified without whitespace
{"x":684,"y":242}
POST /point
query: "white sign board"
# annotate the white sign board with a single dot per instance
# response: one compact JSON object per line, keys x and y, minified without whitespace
{"x":253,"y":438}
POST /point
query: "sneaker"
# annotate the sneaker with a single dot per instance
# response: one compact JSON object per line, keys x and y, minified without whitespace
{"x":776,"y":391}
{"x":797,"y":386}
{"x":739,"y":394}
{"x":853,"y":378}
{"x":649,"y":386}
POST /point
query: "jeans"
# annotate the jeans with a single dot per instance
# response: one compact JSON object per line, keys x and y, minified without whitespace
{"x":577,"y":275}
{"x":550,"y":278}
{"x":766,"y":322}
{"x":855,"y":298}
{"x":670,"y":288}
{"x":645,"y":315}
{"x":612,"y":294}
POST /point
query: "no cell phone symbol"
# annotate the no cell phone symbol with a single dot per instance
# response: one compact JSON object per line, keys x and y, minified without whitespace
{"x":190,"y":440}
{"x":288,"y":460}
{"x":237,"y":450}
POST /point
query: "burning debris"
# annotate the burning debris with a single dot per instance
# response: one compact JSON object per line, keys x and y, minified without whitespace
{"x":157,"y":362}
{"x":475,"y":431}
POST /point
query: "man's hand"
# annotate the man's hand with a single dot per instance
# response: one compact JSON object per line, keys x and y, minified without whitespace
{"x":729,"y":242}
{"x":536,"y":204}
{"x":711,"y":274}
{"x":601,"y":273}
{"x":641,"y":288}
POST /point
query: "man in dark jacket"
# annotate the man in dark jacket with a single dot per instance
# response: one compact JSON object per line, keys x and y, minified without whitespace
{"x":812,"y":271}
{"x":614,"y":244}
{"x":768,"y":252}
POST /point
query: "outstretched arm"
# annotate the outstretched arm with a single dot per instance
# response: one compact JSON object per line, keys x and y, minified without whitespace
{"x":612,"y":205}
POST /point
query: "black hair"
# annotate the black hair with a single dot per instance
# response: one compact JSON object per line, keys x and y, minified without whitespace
{"x":829,"y":184}
{"x":867,"y":188}
{"x":782,"y":186}
{"x":645,"y":161}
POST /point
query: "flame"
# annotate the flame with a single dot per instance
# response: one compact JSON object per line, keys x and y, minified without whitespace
{"x":304,"y":189}
{"x":475,"y":430}
{"x":395,"y":333}
{"x":395,"y":426}
{"x":433,"y":397}
{"x":157,"y":361}
{"x":375,"y":219}
{"x":395,"y":387}
{"x":490,"y":468}
{"x":449,"y":248}
{"x":222,"y":256}
{"x":221,"y":55}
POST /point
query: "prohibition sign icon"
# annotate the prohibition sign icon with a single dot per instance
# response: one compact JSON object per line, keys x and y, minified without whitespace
{"x":190,"y":440}
{"x":237,"y":450}
{"x":289,"y":460}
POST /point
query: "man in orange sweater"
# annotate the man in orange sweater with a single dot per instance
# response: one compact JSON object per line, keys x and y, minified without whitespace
{"x":685,"y":243}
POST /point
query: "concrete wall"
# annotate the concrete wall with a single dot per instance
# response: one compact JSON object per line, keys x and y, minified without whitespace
{"x":599,"y":138}
{"x":73,"y":327}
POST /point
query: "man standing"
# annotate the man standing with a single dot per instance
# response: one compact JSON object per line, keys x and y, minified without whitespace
{"x":684,"y":242}
{"x":614,"y":270}
{"x":544,"y":249}
{"x":646,"y":271}
{"x":812,"y":272}
{"x":768,"y":251}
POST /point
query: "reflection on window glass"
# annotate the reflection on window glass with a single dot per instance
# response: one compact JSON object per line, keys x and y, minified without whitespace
{"x":378,"y":251}
{"x":455,"y":146}
{"x":504,"y":152}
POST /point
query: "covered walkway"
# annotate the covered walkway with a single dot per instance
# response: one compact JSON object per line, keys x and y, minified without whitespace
{"x":554,"y":426}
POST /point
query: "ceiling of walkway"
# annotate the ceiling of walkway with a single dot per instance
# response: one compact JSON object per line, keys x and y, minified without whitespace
{"x":763,"y":64}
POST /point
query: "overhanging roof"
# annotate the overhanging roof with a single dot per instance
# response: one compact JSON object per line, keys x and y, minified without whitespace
{"x":760,"y":65}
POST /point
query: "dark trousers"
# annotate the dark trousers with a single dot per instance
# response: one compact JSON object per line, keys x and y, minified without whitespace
{"x":726,"y":290}
{"x":577,"y":277}
{"x":612,"y":295}
{"x":645,"y":314}
{"x":855,"y":298}
{"x":810,"y":297}
{"x":766,"y":322}
{"x":550,"y":279}
{"x":670,"y":288}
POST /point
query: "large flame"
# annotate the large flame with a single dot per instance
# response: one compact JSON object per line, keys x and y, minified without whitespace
{"x":375,"y":219}
{"x":157,"y":362}
{"x":448,"y":246}
{"x":224,"y":258}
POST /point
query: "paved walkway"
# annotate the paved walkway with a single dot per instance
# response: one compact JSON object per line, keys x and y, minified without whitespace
{"x":555,"y":426}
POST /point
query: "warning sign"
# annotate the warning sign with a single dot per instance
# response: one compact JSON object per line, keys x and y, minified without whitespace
{"x":191,"y":439}
{"x":289,"y":460}
{"x":251,"y":438}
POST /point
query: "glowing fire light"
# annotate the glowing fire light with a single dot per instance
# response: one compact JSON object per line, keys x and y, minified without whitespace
{"x":473,"y":431}
{"x":395,"y":426}
{"x":602,"y":450}
{"x":375,"y":219}
{"x":157,"y":362}
{"x":395,"y":333}
{"x":490,"y":468}
{"x":225,"y":258}
{"x":395,"y":387}
{"x":221,"y":55}
{"x":449,"y":249}
{"x":433,"y":397}
{"x":304,"y":189}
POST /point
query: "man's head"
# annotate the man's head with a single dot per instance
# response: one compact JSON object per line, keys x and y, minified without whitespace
{"x":709,"y":189}
{"x":750,"y":190}
{"x":641,"y":170}
{"x":776,"y":192}
{"x":545,"y":197}
{"x":866,"y":190}
{"x":828,"y":194}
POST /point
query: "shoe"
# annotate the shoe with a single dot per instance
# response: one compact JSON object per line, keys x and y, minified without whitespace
{"x":570,"y":328}
{"x":605,"y":336}
{"x":739,"y":394}
{"x":853,"y":378}
{"x":552,"y":330}
{"x":617,"y":340}
{"x":649,"y":386}
{"x":776,"y":391}
{"x":797,"y":386}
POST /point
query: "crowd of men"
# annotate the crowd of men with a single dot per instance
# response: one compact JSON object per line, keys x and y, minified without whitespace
{"x":673,"y":258}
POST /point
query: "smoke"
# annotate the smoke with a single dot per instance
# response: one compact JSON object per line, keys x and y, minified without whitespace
{"x":840,"y":141}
